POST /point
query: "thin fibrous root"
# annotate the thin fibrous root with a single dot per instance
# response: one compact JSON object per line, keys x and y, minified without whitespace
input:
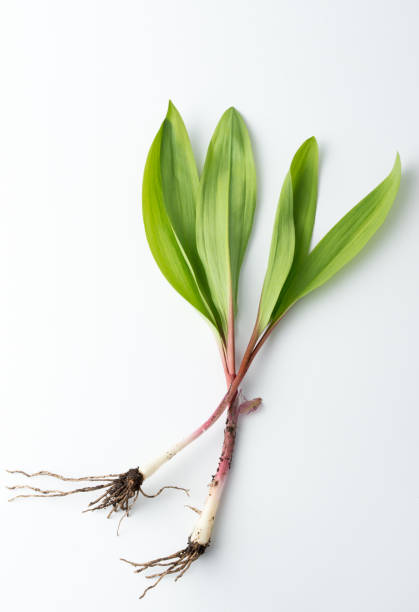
{"x":120,"y":495}
{"x":163,"y":489}
{"x":65,"y":478}
{"x":178,"y":564}
{"x":194,"y":509}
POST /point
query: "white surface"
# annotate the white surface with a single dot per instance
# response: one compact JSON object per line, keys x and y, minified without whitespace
{"x":102,"y":364}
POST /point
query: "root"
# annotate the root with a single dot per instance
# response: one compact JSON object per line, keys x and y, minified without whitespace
{"x":199,"y":512}
{"x":65,"y":478}
{"x":119,"y":491}
{"x":178,"y":564}
{"x":163,"y":489}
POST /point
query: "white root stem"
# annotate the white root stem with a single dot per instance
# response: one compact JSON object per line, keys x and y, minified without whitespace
{"x":205,"y":523}
{"x":152,"y":466}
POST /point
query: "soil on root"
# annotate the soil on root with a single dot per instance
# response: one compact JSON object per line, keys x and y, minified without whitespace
{"x":119,"y":492}
{"x":176,"y":564}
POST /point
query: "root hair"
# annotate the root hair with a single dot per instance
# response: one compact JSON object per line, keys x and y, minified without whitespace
{"x":119,"y":492}
{"x":178,"y":564}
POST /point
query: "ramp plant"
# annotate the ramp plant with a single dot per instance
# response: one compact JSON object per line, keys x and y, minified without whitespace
{"x":198,"y":228}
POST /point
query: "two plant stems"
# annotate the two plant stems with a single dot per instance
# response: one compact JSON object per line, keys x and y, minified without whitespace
{"x":203,"y":528}
{"x":228,"y":402}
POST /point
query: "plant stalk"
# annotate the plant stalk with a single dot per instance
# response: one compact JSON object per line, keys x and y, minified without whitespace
{"x":234,"y":383}
{"x":203,"y":527}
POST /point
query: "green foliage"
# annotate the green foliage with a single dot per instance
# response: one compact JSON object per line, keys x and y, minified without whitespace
{"x":225,"y":209}
{"x":180,"y":180}
{"x":198,"y":229}
{"x":170,"y":187}
{"x":344,"y":241}
{"x":304,"y":174}
{"x":280,"y":256}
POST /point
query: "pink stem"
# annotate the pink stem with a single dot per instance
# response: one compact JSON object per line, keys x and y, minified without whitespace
{"x":229,"y":377}
{"x":228,"y":443}
{"x":234,"y":382}
{"x":203,"y":528}
{"x":225,"y":403}
{"x":231,"y":347}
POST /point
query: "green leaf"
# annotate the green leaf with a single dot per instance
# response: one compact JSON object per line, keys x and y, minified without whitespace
{"x":304,"y":173}
{"x":304,"y":178}
{"x":280,"y":256}
{"x":225,"y":209}
{"x":180,"y":181}
{"x":180,"y":186}
{"x":344,"y":240}
{"x":162,"y":239}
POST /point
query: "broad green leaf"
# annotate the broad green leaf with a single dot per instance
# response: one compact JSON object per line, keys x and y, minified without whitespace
{"x":180,"y":181}
{"x":344,"y":240}
{"x":180,"y":185}
{"x":304,"y":178}
{"x":161,"y":236}
{"x":225,"y":209}
{"x":304,"y":174}
{"x":280,"y":256}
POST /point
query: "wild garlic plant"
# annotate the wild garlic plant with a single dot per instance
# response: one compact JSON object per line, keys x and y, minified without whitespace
{"x":198,"y":229}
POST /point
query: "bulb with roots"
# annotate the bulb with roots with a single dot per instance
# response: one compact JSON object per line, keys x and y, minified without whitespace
{"x":178,"y":563}
{"x":118,"y":492}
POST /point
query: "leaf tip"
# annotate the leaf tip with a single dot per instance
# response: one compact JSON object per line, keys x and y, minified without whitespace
{"x":396,"y":171}
{"x":232,"y":112}
{"x":311,"y":143}
{"x":309,"y":149}
{"x":171,"y":110}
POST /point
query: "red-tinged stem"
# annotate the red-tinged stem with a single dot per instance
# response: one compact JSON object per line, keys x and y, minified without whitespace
{"x":234,"y":382}
{"x":201,"y":534}
{"x":179,"y":562}
{"x":247,"y":357}
{"x":265,"y":336}
{"x":232,"y":390}
{"x":228,"y":445}
{"x":252,"y":350}
{"x":203,"y":528}
{"x":149,"y":469}
{"x":229,"y":376}
{"x":231,"y":348}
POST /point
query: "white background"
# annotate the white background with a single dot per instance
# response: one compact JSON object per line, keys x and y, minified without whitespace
{"x":102,"y":364}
